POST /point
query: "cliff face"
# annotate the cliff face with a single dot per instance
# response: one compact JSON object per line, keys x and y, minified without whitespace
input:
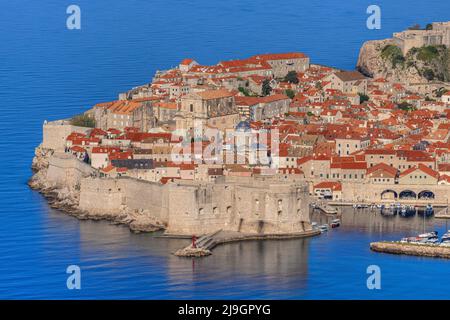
{"x":381,"y":58}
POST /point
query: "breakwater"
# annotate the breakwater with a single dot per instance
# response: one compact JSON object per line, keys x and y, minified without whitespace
{"x":411,"y":249}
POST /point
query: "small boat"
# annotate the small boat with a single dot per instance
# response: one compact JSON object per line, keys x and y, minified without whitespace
{"x":428,"y":235}
{"x":433,"y":240}
{"x":429,"y":210}
{"x":335,"y":223}
{"x":446,"y":237}
{"x":409,"y":240}
{"x":314,"y":225}
{"x":445,"y":244}
{"x":323,"y":228}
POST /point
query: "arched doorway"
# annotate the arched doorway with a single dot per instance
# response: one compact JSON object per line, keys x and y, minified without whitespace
{"x":389,"y":195}
{"x":408,"y":194}
{"x":426,"y":194}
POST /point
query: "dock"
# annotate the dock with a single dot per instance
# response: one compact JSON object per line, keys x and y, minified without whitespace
{"x":443,"y":214}
{"x":327,"y":209}
{"x":412,"y":249}
{"x":206,"y":243}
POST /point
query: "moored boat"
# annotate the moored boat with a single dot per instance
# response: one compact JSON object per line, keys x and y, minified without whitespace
{"x":335,"y":223}
{"x":446,"y":237}
{"x":429,"y":211}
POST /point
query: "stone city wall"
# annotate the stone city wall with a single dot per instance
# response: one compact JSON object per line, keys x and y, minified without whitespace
{"x":272,"y":206}
{"x":56,"y":132}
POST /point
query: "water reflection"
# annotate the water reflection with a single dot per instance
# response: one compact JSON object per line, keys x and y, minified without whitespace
{"x":372,"y":221}
{"x":118,"y":263}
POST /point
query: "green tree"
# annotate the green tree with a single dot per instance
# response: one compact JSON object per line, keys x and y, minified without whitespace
{"x":363,"y":97}
{"x":83,"y":120}
{"x":290,"y":93}
{"x":291,"y":77}
{"x":266,"y":88}
{"x":405,"y":106}
{"x":429,"y":26}
{"x":244,"y":91}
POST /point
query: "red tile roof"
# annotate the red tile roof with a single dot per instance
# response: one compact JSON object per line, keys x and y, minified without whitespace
{"x":422,"y":168}
{"x":334,"y":186}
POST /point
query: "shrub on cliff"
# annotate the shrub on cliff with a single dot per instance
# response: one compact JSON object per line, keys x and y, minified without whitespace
{"x":427,"y":53}
{"x":83,"y":120}
{"x":393,"y":54}
{"x":428,"y":74}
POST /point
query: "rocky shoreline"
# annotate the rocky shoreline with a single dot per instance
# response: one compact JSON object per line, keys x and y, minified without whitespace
{"x":66,"y":199}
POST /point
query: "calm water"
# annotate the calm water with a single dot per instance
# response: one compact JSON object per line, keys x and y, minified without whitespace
{"x":49,"y":72}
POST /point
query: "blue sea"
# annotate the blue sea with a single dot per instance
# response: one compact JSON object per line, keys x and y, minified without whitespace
{"x":48,"y":72}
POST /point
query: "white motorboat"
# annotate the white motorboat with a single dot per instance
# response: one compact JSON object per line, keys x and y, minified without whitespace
{"x":335,"y":223}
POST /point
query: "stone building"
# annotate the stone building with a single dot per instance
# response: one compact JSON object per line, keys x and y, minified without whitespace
{"x":262,"y":108}
{"x":347,"y":81}
{"x":121,"y":114}
{"x":214,"y":107}
{"x":282,"y":63}
{"x":439,"y":35}
{"x":348,"y":143}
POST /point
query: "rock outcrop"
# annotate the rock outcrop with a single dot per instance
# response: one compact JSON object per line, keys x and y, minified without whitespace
{"x":380,"y":58}
{"x":192,"y":252}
